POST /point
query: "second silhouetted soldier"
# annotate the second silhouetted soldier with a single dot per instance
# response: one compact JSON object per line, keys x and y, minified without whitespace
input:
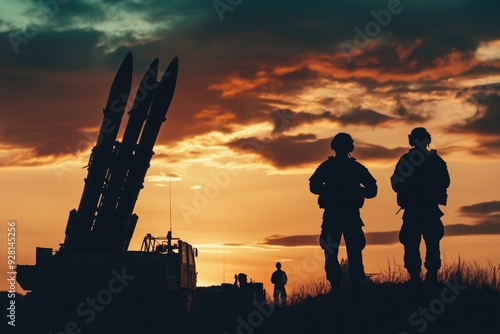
{"x":420,"y":180}
{"x":342,"y":184}
{"x":279,"y":279}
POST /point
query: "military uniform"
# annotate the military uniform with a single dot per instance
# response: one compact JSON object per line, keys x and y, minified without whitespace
{"x":420,"y":180}
{"x":342,"y":184}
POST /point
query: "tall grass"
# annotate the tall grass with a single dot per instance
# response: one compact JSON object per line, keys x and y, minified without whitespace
{"x":471,"y":274}
{"x":301,"y":292}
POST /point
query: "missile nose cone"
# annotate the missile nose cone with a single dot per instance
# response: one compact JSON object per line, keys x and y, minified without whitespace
{"x":128,"y":58}
{"x":125,"y":70}
{"x":172,"y":67}
{"x":152,"y":72}
{"x":175,"y":61}
{"x":153,"y":68}
{"x":121,"y":83}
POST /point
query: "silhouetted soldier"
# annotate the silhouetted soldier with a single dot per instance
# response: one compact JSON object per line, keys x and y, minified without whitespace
{"x":240,"y":280}
{"x":421,"y":180}
{"x":342,"y":184}
{"x":279,"y":279}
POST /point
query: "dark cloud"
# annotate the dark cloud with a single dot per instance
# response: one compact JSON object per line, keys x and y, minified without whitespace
{"x":486,"y":227}
{"x":286,"y":119}
{"x":285,"y":151}
{"x":490,"y":227}
{"x":491,"y":87}
{"x":372,"y":238}
{"x":365,"y":151}
{"x":299,"y":77}
{"x":425,"y":86}
{"x":49,"y":15}
{"x":478,"y":92}
{"x":251,"y":31}
{"x":480,"y":208}
{"x":292,"y":151}
{"x":49,"y":115}
{"x":493,"y":144}
{"x":362,"y":116}
{"x":487,"y":118}
{"x":50,"y":100}
{"x":408,"y":116}
{"x":77,"y":49}
{"x":487,"y":216}
{"x":483,"y":69}
{"x":292,"y":240}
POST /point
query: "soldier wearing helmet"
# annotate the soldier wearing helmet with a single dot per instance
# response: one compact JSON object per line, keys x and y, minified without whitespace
{"x":420,"y":180}
{"x":342,"y":184}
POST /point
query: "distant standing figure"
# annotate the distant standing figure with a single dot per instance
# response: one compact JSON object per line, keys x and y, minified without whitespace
{"x":342,"y":184}
{"x":279,"y":280}
{"x":420,"y":180}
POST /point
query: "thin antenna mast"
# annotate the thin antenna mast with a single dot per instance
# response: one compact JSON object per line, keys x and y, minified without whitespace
{"x":170,"y":199}
{"x":223,"y":264}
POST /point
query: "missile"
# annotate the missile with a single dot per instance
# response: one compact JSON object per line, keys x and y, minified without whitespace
{"x":124,"y":154}
{"x":140,"y":163}
{"x":77,"y":232}
{"x":101,"y":153}
{"x":159,"y":106}
{"x":139,"y":111}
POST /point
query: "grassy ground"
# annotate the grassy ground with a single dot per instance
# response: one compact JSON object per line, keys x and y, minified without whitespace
{"x":466,"y":300}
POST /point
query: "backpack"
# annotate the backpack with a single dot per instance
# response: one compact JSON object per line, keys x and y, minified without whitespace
{"x":422,"y":187}
{"x":343,"y":183}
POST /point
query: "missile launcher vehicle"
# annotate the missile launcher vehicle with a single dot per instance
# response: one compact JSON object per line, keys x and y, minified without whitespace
{"x":94,"y":256}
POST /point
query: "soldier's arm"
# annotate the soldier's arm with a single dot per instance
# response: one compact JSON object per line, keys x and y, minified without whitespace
{"x":396,"y":179}
{"x":369,"y":184}
{"x":445,"y":176}
{"x":316,"y":182}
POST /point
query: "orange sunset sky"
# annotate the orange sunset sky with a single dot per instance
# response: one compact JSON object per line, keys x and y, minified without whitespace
{"x":261,"y":90}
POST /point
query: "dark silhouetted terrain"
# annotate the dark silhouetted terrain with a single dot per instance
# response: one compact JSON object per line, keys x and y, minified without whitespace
{"x":467,"y":300}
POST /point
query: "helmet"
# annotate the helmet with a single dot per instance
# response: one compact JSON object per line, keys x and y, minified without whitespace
{"x":421,"y":135}
{"x":342,"y":142}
